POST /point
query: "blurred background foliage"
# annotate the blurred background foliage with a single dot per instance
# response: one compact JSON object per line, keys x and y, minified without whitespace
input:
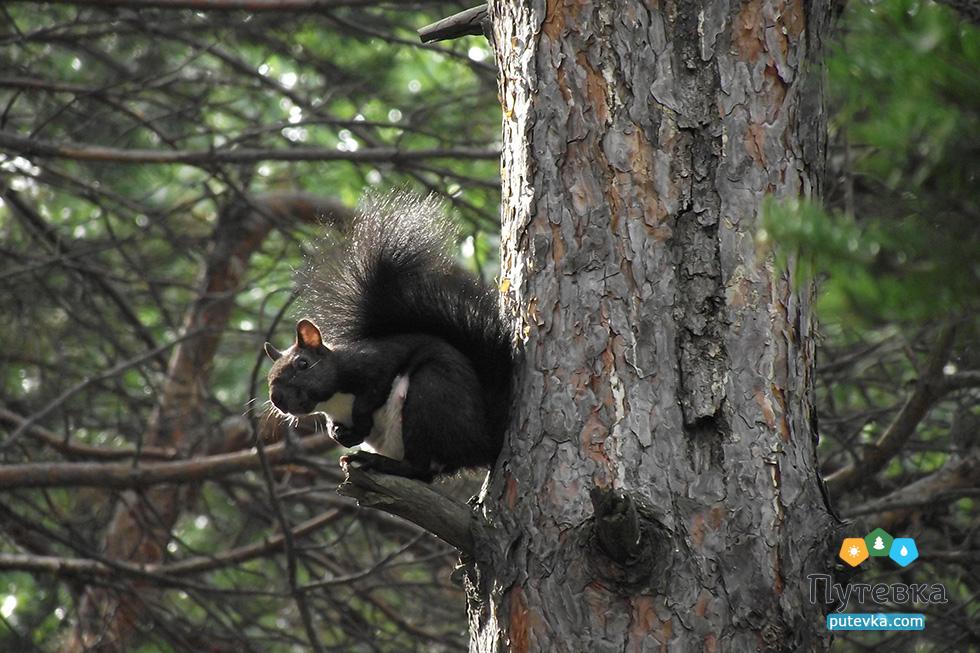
{"x":893,"y":249}
{"x":106,"y":252}
{"x":897,"y":234}
{"x":108,"y":255}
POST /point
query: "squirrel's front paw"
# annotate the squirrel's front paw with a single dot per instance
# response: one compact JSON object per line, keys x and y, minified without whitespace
{"x":345,"y":435}
{"x":361,"y":460}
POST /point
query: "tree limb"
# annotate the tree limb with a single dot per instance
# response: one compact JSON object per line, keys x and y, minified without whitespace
{"x":955,"y":479}
{"x":91,"y":567}
{"x":417,"y":502}
{"x":54,"y":565}
{"x":65,"y":446}
{"x":129,"y":475}
{"x":928,"y":388}
{"x":466,"y":23}
{"x":199,"y":564}
{"x":962,"y":380}
{"x":278,"y":6}
{"x":84,"y":152}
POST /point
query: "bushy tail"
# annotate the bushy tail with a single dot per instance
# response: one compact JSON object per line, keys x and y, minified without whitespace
{"x":395,"y":275}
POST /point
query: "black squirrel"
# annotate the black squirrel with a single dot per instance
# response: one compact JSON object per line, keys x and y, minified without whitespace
{"x":411,"y":356}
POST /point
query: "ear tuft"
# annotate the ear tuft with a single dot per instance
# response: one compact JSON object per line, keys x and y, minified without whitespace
{"x":308,"y":335}
{"x":271,"y":351}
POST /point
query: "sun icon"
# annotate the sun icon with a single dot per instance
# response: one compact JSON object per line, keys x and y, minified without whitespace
{"x":853,"y":551}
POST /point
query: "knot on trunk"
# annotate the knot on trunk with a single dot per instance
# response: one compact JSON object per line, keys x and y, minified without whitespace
{"x":628,"y":533}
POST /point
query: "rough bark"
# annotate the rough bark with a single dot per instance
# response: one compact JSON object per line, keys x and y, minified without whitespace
{"x":668,"y":368}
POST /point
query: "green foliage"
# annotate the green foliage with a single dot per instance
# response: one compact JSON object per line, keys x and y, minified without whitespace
{"x":899,"y":238}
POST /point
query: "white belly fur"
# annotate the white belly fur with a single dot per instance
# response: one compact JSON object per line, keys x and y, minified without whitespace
{"x":386,"y":434}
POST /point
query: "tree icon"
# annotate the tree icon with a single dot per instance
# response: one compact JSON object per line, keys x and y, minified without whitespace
{"x":879,"y":542}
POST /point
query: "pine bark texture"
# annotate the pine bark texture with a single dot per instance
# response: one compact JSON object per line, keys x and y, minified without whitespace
{"x":660,"y":490}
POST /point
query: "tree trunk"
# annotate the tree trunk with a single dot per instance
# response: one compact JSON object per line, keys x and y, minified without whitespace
{"x":668,"y":369}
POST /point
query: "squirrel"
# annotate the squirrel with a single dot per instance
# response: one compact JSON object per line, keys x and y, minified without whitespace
{"x":407,"y":352}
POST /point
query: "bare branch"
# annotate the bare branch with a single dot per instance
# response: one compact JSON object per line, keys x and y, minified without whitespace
{"x":961,"y":557}
{"x":54,"y":565}
{"x":68,"y":448}
{"x":927,"y":390}
{"x":81,"y":385}
{"x":91,"y":567}
{"x":129,"y":475}
{"x":466,"y":23}
{"x":289,"y":546}
{"x":278,"y":6}
{"x":84,"y":152}
{"x":417,"y":502}
{"x":957,"y":478}
{"x":200,"y":564}
{"x":961,"y":380}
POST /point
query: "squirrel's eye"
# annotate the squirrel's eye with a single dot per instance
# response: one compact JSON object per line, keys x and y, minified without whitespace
{"x":302,"y":363}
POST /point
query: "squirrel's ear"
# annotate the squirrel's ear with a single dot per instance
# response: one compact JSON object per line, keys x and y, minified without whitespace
{"x":308,"y":335}
{"x":272,"y":352}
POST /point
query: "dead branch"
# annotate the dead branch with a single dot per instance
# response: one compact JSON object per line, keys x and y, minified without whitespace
{"x":466,"y":23}
{"x":417,"y":502}
{"x":200,"y":564}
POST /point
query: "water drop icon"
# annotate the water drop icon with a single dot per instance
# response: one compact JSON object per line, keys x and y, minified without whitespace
{"x":904,"y":551}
